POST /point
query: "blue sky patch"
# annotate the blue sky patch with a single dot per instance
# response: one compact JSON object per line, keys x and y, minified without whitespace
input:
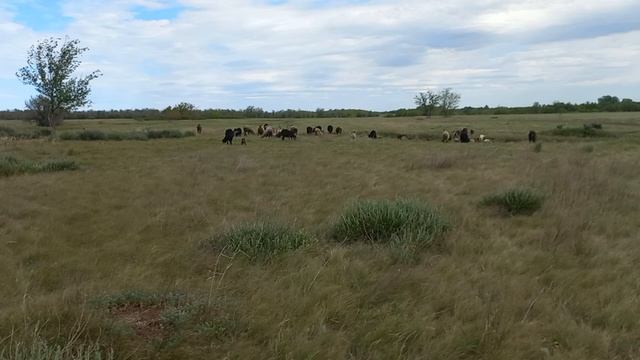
{"x":39,"y":15}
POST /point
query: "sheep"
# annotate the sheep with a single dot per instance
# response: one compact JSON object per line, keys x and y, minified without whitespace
{"x":248,"y":131}
{"x":456,"y":135}
{"x":317,"y":127}
{"x":228,"y":137}
{"x":353,"y":135}
{"x":373,"y":134}
{"x":330,"y":129}
{"x":294,"y":130}
{"x":482,"y":138}
{"x":446,"y":136}
{"x":286,"y":133}
{"x":318,"y":131}
{"x":309,"y":130}
{"x":268,"y":132}
{"x":237,"y":132}
{"x":464,"y":135}
{"x":532,"y":136}
{"x":244,"y":141}
{"x":199,"y":129}
{"x":260,"y":130}
{"x":338,"y":130}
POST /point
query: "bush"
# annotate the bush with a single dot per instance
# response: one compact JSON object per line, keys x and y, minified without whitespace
{"x":12,"y":166}
{"x":260,"y":240}
{"x":585,"y":131}
{"x":95,"y":135}
{"x":396,"y":223}
{"x":515,"y":202}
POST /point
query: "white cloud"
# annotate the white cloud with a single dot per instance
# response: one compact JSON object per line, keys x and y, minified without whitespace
{"x":373,"y":54}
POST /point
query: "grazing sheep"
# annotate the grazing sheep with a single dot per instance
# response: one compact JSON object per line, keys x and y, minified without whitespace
{"x":199,"y":129}
{"x":248,"y":131}
{"x":464,"y":136}
{"x":532,"y":136}
{"x":338,"y":130}
{"x":286,"y":133}
{"x":228,"y":137}
{"x":294,"y":130}
{"x":456,"y":135}
{"x":268,"y":132}
{"x":330,"y":129}
{"x":373,"y":134}
{"x":243,"y":142}
{"x":237,"y":132}
{"x":318,"y":127}
{"x":260,"y":130}
{"x":353,"y":135}
{"x":481,"y":138}
{"x":309,"y":130}
{"x":446,"y":136}
{"x":318,"y":131}
{"x":402,"y":137}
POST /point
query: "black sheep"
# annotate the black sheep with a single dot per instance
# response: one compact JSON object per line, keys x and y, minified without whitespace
{"x":237,"y":132}
{"x":532,"y":136}
{"x":286,"y":133}
{"x":338,"y":130}
{"x":199,"y":129}
{"x":309,"y":130}
{"x":228,"y":137}
{"x":330,"y":129}
{"x":464,"y":136}
{"x":248,"y":131}
{"x":373,"y":134}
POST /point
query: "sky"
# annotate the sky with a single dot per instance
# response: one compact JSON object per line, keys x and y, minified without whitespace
{"x":308,"y":54}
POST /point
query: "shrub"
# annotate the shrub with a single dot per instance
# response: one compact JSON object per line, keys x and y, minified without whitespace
{"x":260,"y":240}
{"x":585,"y":131}
{"x":515,"y":202}
{"x":397,"y":223}
{"x":12,"y":166}
{"x":95,"y":135}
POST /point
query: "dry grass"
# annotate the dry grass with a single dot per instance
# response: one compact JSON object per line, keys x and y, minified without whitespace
{"x":562,"y":283}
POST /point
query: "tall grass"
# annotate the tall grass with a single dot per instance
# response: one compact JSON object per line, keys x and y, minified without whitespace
{"x":585,"y":131}
{"x":98,"y":135}
{"x":383,"y":221}
{"x":12,"y":166}
{"x":261,"y":240}
{"x":515,"y":202}
{"x":6,"y":131}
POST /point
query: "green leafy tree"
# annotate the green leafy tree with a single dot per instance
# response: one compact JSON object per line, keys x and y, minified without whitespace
{"x":427,"y":102}
{"x":51,"y":64}
{"x":449,"y":101}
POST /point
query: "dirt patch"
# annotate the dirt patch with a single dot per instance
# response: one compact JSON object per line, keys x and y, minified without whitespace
{"x":145,"y":320}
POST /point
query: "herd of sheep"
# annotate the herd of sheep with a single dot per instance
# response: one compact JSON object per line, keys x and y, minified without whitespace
{"x":462,"y":135}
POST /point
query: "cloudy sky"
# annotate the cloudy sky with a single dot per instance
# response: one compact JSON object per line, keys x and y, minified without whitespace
{"x":373,"y":54}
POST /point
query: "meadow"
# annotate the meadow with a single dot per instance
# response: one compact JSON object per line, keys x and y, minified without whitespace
{"x":124,"y":256}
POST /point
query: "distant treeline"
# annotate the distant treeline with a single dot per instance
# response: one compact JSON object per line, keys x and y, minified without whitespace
{"x":184,"y":111}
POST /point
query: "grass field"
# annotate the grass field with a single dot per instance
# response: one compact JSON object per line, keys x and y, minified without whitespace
{"x":111,"y":259}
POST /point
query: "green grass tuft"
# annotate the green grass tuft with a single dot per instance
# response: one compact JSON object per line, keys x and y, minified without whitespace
{"x":515,"y":202}
{"x":398,"y":223}
{"x":11,"y":166}
{"x":97,"y":135}
{"x":6,"y":131}
{"x":261,"y":240}
{"x":585,"y":131}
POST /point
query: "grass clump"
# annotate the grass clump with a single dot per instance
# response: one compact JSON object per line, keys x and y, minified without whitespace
{"x":6,"y":131}
{"x":515,"y":202}
{"x":537,"y":148}
{"x":261,"y":240}
{"x":39,"y":349}
{"x":12,"y":166}
{"x":391,"y":222}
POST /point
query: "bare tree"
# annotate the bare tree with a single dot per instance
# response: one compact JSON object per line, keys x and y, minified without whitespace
{"x":449,"y":101}
{"x":50,"y":67}
{"x":427,"y":102}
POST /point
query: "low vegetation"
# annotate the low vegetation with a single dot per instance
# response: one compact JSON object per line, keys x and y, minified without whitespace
{"x":96,"y":135}
{"x":9,"y":132}
{"x":584,"y":131}
{"x":515,"y":202}
{"x":12,"y":166}
{"x":262,"y":240}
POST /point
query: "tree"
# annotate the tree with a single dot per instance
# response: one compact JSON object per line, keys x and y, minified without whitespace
{"x":50,"y":67}
{"x":427,"y":102}
{"x":39,"y":108}
{"x":449,"y":101}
